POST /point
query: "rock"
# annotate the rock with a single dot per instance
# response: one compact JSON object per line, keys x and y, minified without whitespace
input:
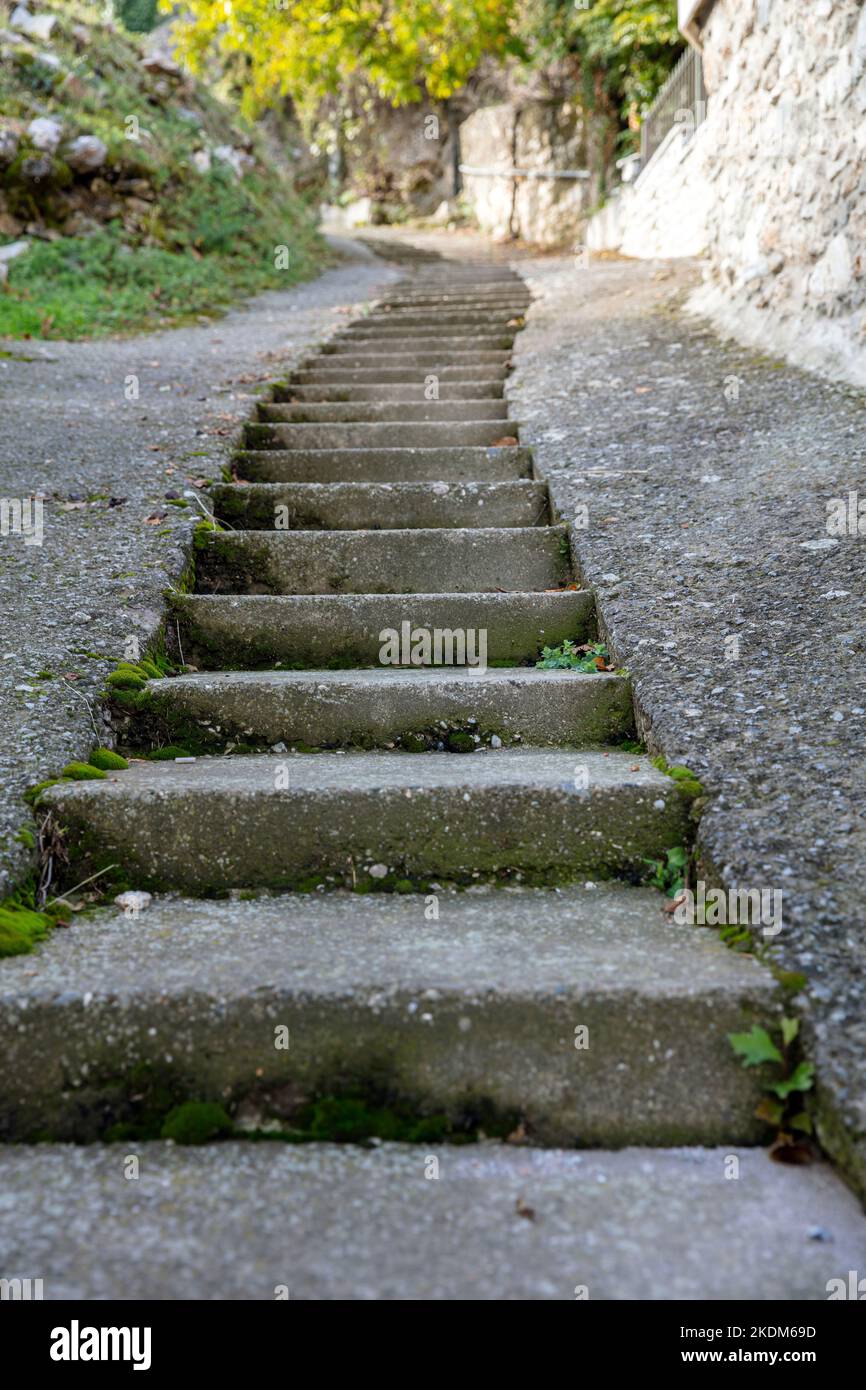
{"x":8,"y":146}
{"x":201,"y":161}
{"x":73,"y":87}
{"x":35,"y":26}
{"x":45,"y":133}
{"x":86,"y":153}
{"x":133,"y":902}
{"x":9,"y":225}
{"x":14,"y":249}
{"x":79,"y":224}
{"x":238,"y":160}
{"x":378,"y":870}
{"x":81,"y":35}
{"x":160,"y":63}
{"x":36,"y":168}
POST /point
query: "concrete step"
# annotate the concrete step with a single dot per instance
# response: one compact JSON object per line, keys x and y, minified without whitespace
{"x":471,"y":1015}
{"x":422,"y":561}
{"x":501,"y":308}
{"x":313,"y":371}
{"x":230,"y":822}
{"x":430,"y":318}
{"x":239,"y":1221}
{"x":431,"y":435}
{"x":343,"y":631}
{"x":417,"y":342}
{"x":391,"y":391}
{"x":380,"y":506}
{"x":367,"y":412}
{"x":414,"y":708}
{"x":430,"y":361}
{"x":477,"y":299}
{"x":448,"y":464}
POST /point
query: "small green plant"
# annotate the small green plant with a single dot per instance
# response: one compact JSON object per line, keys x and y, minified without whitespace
{"x":592,"y":656}
{"x":669,"y":874}
{"x":791,"y":1077}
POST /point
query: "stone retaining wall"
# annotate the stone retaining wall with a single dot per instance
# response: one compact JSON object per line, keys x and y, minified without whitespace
{"x":780,"y":167}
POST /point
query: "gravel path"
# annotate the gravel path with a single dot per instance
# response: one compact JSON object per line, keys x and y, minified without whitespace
{"x":105,"y":464}
{"x":706,"y":472}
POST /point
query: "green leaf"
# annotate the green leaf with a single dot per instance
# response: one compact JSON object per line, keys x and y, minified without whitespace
{"x":801,"y":1079}
{"x":790,"y":1029}
{"x":755,"y":1047}
{"x":677,"y":858}
{"x":802,"y":1122}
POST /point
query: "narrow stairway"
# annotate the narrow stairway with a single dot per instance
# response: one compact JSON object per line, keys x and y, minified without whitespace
{"x":397,"y":873}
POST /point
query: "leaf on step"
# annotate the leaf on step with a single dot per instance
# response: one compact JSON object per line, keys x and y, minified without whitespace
{"x":155,"y":518}
{"x":524,"y":1210}
{"x":755,"y":1047}
{"x":507,"y":441}
{"x":801,"y":1079}
{"x":769,"y":1110}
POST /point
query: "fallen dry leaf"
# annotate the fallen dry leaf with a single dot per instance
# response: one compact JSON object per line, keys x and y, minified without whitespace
{"x":155,"y":518}
{"x":524,"y":1210}
{"x":507,"y":440}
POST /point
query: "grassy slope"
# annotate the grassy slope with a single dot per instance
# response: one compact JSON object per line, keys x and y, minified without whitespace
{"x":172,"y":243}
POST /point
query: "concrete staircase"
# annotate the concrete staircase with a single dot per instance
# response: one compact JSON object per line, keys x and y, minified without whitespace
{"x":425,"y":873}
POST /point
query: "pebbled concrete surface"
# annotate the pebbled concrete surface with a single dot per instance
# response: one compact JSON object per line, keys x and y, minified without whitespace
{"x":481,"y":1002}
{"x":707,"y":471}
{"x":67,"y":606}
{"x":235,"y":1221}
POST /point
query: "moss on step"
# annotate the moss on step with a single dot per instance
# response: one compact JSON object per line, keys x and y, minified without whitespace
{"x":22,"y":923}
{"x":354,"y":1106}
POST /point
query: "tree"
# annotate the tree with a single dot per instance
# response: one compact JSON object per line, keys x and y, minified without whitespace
{"x":311,"y":49}
{"x":622,"y":49}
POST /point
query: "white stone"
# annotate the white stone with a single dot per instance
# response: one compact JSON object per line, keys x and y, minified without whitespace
{"x":13,"y":249}
{"x":86,"y":153}
{"x":835,"y":271}
{"x":201,"y":161}
{"x":133,"y":901}
{"x":35,"y":26}
{"x":45,"y":133}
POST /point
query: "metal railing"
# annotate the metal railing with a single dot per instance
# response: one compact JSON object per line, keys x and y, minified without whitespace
{"x":683,"y":92}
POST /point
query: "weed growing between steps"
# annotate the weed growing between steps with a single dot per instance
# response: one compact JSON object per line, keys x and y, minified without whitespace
{"x":587,"y":658}
{"x":790,"y":1078}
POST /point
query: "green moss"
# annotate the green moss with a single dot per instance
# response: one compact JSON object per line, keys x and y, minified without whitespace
{"x":685,"y":779}
{"x":461,"y":743}
{"x":82,"y":772}
{"x":169,"y":753}
{"x":21,"y":928}
{"x":33,"y":794}
{"x":107,"y":760}
{"x":197,"y":1122}
{"x":126,"y":680}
